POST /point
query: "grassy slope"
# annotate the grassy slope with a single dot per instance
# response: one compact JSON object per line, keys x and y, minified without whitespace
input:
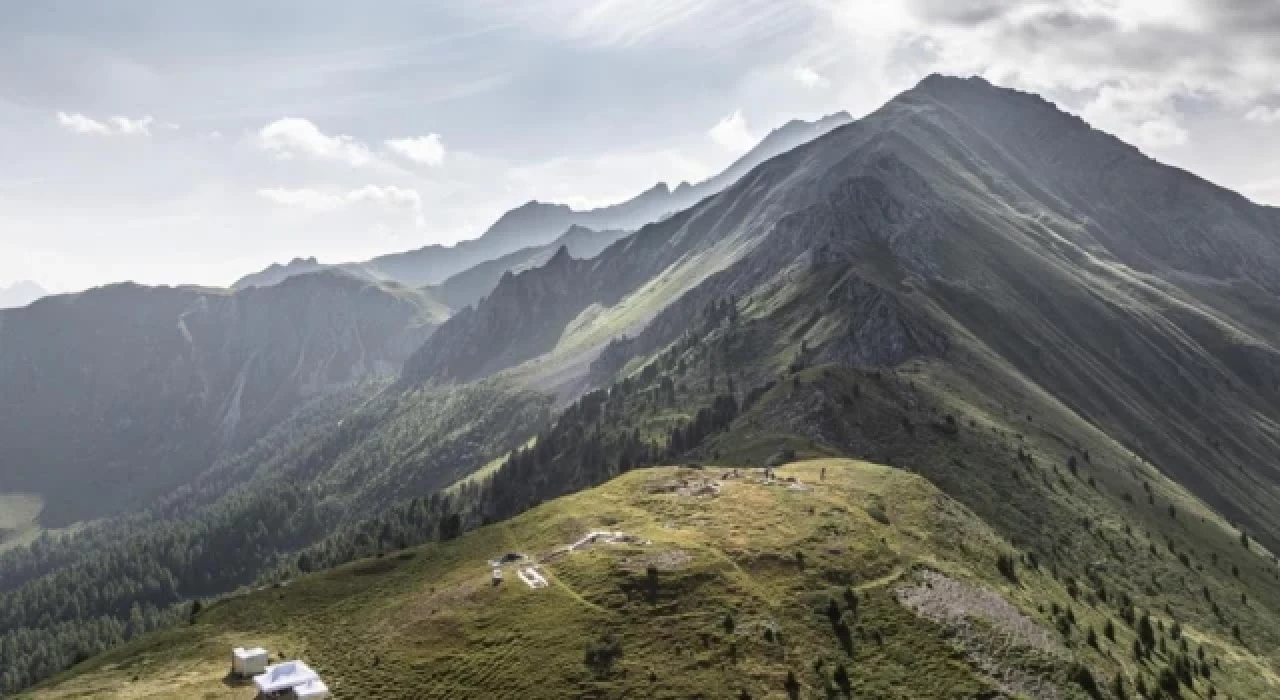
{"x":1096,"y":525}
{"x":478,"y":476}
{"x":1082,"y":527}
{"x":426,"y":623}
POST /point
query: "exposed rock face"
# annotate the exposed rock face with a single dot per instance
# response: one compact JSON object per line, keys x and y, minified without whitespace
{"x":522,"y":318}
{"x":861,"y":219}
{"x":869,"y":203}
{"x":118,"y":393}
{"x":470,"y":286}
{"x":1150,"y":216}
{"x":880,"y":329}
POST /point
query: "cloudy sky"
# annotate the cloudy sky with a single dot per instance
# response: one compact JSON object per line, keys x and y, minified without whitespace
{"x":170,"y":142}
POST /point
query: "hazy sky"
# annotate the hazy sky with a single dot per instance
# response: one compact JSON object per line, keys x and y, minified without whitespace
{"x":168,"y":142}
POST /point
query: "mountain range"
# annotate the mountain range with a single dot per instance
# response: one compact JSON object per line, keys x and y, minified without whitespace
{"x":1038,"y":371}
{"x":537,"y":224}
{"x":952,"y":209}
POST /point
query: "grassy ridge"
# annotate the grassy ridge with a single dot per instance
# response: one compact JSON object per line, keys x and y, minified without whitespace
{"x":1109,"y":533}
{"x":427,"y":623}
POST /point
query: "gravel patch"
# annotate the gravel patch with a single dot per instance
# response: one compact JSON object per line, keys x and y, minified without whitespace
{"x":670,"y":560}
{"x":988,"y":628}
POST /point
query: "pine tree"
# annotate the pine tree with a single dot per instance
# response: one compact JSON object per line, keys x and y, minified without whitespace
{"x":1118,"y":688}
{"x":841,"y":677}
{"x":792,"y":686}
{"x":1146,"y":633}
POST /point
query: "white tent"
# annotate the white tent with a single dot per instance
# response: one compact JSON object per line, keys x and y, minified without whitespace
{"x":311,"y":690}
{"x":531,"y":577}
{"x":285,"y":676}
{"x":248,"y":662}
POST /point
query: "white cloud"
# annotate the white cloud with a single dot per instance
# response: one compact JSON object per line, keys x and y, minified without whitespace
{"x":305,"y":198}
{"x":1263,"y":114}
{"x":321,"y":201}
{"x":81,"y":124}
{"x":732,"y":133}
{"x":1172,"y":62}
{"x":810,"y":78}
{"x":1160,"y":133}
{"x":428,"y":150}
{"x":1264,"y":191}
{"x":125,"y":125}
{"x":1143,"y":116}
{"x":389,"y":196}
{"x":118,"y":125}
{"x":292,"y":136}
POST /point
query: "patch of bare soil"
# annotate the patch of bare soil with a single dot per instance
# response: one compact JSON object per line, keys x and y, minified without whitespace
{"x":443,"y":600}
{"x":670,"y":560}
{"x":988,"y":628}
{"x":690,"y":487}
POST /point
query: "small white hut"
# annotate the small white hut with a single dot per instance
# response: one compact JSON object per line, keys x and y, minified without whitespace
{"x":248,"y":662}
{"x":284,"y":678}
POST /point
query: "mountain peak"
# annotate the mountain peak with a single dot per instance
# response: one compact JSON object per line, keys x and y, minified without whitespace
{"x":951,"y":89}
{"x":561,"y":257}
{"x":1013,"y":113}
{"x":946,"y":81}
{"x":535,"y":205}
{"x":805,"y":130}
{"x":20,"y":293}
{"x":276,"y":273}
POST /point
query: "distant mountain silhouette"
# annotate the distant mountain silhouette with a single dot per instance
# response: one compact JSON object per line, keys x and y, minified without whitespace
{"x":119,"y":393}
{"x":20,"y":294}
{"x":539,"y":223}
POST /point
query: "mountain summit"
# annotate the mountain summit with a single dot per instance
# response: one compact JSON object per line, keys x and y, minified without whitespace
{"x":20,"y":294}
{"x":961,"y":208}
